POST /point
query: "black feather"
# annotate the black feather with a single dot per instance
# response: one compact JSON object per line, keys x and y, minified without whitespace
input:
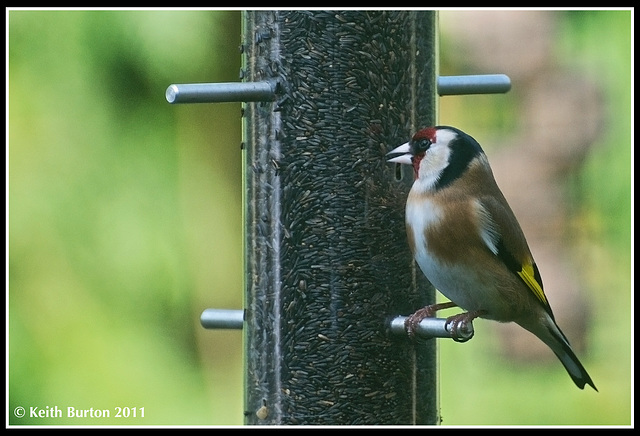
{"x":463,"y":149}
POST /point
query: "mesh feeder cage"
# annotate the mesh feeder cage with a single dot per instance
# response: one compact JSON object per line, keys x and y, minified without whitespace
{"x":327,"y":260}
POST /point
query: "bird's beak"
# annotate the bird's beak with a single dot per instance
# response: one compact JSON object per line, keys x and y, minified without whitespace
{"x":403,"y":154}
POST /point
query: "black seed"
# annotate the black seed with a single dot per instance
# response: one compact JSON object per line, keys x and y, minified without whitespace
{"x":332,"y":256}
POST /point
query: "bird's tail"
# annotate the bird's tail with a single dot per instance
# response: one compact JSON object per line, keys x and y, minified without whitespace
{"x":550,"y":334}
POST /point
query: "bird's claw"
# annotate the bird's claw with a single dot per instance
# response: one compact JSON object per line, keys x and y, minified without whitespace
{"x":412,"y":321}
{"x":460,"y":326}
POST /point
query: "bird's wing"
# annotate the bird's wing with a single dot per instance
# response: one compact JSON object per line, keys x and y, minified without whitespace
{"x":503,"y":236}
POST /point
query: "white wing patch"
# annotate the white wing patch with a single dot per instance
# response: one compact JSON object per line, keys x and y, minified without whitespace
{"x":488,"y":230}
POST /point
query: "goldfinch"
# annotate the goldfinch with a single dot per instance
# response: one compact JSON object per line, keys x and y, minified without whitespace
{"x":468,"y":243}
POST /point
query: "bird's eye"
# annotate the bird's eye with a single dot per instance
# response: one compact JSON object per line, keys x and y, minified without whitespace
{"x":423,"y":144}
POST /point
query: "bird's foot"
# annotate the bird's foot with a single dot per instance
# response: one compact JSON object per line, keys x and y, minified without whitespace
{"x":460,"y":326}
{"x":412,"y":321}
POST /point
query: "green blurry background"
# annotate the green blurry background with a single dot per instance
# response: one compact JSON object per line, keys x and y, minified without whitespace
{"x":124,"y":223}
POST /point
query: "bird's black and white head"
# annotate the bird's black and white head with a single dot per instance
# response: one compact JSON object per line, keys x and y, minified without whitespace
{"x":439,"y":155}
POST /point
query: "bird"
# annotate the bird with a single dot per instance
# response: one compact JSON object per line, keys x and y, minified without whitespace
{"x":468,"y":243}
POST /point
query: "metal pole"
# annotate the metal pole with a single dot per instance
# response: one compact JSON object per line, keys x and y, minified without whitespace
{"x":222,"y":319}
{"x":220,"y":92}
{"x":327,"y":262}
{"x":428,"y":328}
{"x":474,"y":84}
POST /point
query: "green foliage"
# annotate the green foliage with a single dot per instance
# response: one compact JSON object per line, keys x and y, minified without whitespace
{"x":119,"y":234}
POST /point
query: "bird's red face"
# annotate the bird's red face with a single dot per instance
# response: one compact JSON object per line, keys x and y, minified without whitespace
{"x":412,"y":152}
{"x":439,"y":155}
{"x":419,"y":145}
